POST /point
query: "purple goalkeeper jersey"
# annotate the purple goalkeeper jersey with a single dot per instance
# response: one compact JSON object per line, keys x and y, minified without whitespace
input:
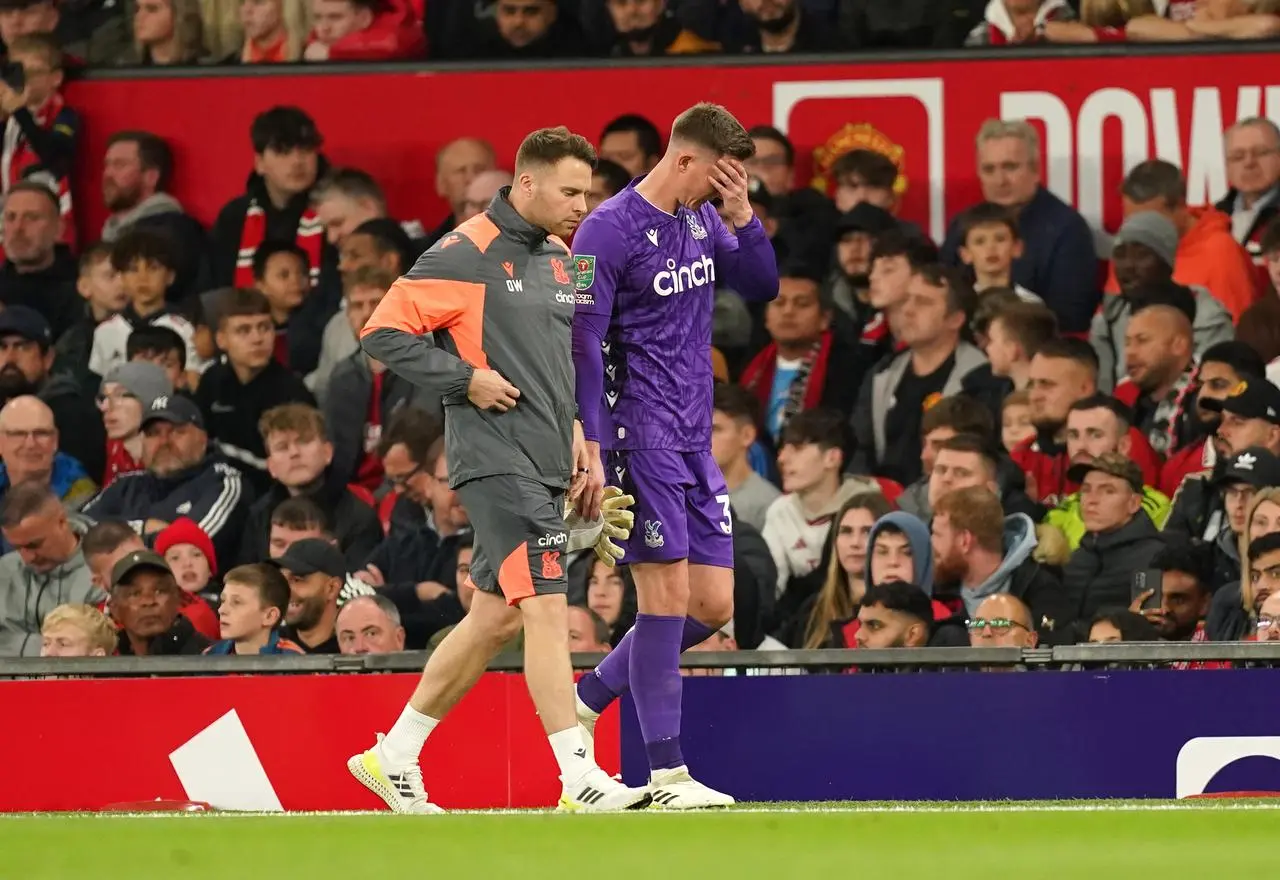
{"x":646,"y":282}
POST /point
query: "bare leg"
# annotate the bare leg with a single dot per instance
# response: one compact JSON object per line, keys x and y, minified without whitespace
{"x":547,"y":669}
{"x":457,"y":664}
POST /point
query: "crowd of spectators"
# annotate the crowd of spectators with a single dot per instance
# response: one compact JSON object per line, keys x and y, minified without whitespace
{"x":1006,"y":437}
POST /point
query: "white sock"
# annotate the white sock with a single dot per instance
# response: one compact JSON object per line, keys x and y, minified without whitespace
{"x":571,"y":753}
{"x":403,"y":742}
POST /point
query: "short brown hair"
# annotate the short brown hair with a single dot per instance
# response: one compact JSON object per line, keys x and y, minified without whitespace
{"x":241,"y":302}
{"x":299,"y":514}
{"x":547,"y":146}
{"x":715,"y":128}
{"x":417,"y":429}
{"x":1022,"y":397}
{"x":370,"y":277}
{"x":874,"y":168}
{"x":302,"y":419}
{"x":272,"y":588}
{"x":959,"y":412}
{"x":45,"y":45}
{"x":1029,"y":324}
{"x":991,"y":302}
{"x":975,"y":510}
{"x":977,"y":445}
{"x":25,"y":500}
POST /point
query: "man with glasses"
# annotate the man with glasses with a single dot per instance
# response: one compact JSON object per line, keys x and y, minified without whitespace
{"x":1002,"y":621}
{"x":1268,"y":626}
{"x":29,"y":454}
{"x":46,"y":569}
{"x":26,"y":367}
{"x":1252,"y":149}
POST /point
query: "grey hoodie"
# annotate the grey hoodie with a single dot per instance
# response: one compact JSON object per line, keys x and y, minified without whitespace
{"x":153,"y":205}
{"x":885,"y":383}
{"x":26,"y":597}
{"x":917,"y":537}
{"x":1019,"y":541}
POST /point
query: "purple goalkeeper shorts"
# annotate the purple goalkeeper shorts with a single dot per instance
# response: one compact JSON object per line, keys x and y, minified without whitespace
{"x":682,"y":506}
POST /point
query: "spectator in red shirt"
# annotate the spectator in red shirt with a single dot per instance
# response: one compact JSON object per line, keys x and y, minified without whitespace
{"x":274,"y":31}
{"x":126,"y":393}
{"x":167,"y":32}
{"x":1062,"y":372}
{"x":364,"y":30}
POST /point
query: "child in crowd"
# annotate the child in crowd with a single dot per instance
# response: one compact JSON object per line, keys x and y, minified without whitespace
{"x":99,"y":284}
{"x":254,"y":600}
{"x":991,"y":244}
{"x":1016,"y":331}
{"x":282,"y":272}
{"x":190,"y":554}
{"x":162,"y":346}
{"x":147,"y":262}
{"x":1015,"y":419}
{"x":125,"y":393}
{"x":40,"y":132}
{"x":76,"y":630}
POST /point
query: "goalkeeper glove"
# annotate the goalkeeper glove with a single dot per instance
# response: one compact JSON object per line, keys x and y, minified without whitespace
{"x":614,"y":523}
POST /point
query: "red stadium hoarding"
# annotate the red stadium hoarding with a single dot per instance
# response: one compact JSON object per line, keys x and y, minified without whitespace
{"x":1100,"y":116}
{"x":264,"y":742}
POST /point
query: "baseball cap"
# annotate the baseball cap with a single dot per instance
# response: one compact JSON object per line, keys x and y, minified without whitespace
{"x":1250,"y":399}
{"x":136,"y":561}
{"x":311,"y":555}
{"x":1152,"y":230}
{"x":175,"y":409}
{"x":865,"y":217}
{"x":1255,"y":466}
{"x":1112,"y":463}
{"x":143,"y":380}
{"x":27,"y":323}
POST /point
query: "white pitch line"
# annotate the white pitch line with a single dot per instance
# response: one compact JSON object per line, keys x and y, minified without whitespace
{"x":1191,"y":806}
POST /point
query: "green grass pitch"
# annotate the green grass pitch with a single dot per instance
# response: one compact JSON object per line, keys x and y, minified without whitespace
{"x":1161,"y":840}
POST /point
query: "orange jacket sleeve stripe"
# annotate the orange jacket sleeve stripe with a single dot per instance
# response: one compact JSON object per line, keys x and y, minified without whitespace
{"x":424,"y":305}
{"x":480,"y":230}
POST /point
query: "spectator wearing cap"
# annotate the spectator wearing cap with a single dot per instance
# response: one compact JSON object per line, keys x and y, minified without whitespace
{"x":191,"y":557}
{"x":1143,"y":263}
{"x":277,"y":203}
{"x":315,"y":571}
{"x":1222,"y":367}
{"x":1099,"y":425}
{"x":254,"y":600}
{"x":643,"y":30}
{"x":1246,"y":474}
{"x":806,"y":366}
{"x":978,"y":552}
{"x":1119,"y":536}
{"x":1161,"y":366}
{"x":77,"y":630}
{"x":849,"y":282}
{"x":124,"y":396}
{"x":298,"y":457}
{"x":26,"y":367}
{"x":38,"y":272}
{"x":234,"y":394}
{"x":45,"y":569}
{"x":1206,"y":253}
{"x":1251,"y":148}
{"x":1059,"y":262}
{"x":364,"y":30}
{"x":1250,"y":418}
{"x":95,"y":32}
{"x":370,"y":625}
{"x":893,"y":398}
{"x":137,"y":170}
{"x":29,"y":454}
{"x":181,"y":478}
{"x":146,"y":602}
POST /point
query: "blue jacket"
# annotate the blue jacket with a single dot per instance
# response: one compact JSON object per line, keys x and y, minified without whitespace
{"x":1058,"y":263}
{"x":276,"y":644}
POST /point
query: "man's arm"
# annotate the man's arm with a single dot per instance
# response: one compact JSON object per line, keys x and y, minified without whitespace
{"x":744,"y":257}
{"x":1073,"y":274}
{"x":1241,"y":27}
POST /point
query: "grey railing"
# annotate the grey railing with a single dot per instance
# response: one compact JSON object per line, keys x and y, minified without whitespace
{"x":1133,"y":654}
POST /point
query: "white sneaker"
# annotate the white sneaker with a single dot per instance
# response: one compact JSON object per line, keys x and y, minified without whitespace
{"x":400,"y":787}
{"x":675,"y":789}
{"x":587,"y":718}
{"x":598,"y":792}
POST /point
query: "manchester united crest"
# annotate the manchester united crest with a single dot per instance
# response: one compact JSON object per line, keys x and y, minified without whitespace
{"x":856,"y":136}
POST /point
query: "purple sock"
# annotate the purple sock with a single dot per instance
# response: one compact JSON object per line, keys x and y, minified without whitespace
{"x":656,"y":687}
{"x":610,"y":679}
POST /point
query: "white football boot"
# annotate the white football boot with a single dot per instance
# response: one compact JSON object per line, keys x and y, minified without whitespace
{"x":400,"y":787}
{"x":675,"y":789}
{"x":598,"y":792}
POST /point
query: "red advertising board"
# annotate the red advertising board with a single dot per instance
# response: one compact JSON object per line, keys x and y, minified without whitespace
{"x":276,"y":741}
{"x":1100,"y":116}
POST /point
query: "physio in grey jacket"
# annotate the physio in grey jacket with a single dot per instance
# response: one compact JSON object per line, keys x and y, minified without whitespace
{"x":52,"y":572}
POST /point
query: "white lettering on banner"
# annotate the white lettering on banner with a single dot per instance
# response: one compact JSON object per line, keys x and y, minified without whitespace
{"x":678,"y":279}
{"x":220,"y":767}
{"x":1150,"y":128}
{"x":1200,"y":759}
{"x":927,"y":91}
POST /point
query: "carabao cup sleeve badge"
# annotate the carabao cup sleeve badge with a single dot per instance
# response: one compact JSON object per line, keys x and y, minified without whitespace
{"x":585,"y":264}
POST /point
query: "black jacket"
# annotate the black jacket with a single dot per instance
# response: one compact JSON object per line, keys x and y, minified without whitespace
{"x":347,"y":403}
{"x":1227,"y":620}
{"x":80,"y":430}
{"x":73,"y":348}
{"x":51,"y":291}
{"x":755,"y":585}
{"x":1253,"y":237}
{"x":350,"y":520}
{"x":179,"y":639}
{"x":1040,"y":588}
{"x":232,"y":410}
{"x":409,"y":557}
{"x":1100,"y":572}
{"x":1197,"y":505}
{"x":212,"y":493}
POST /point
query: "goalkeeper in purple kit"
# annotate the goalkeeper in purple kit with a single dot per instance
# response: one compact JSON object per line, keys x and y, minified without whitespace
{"x":648,"y":261}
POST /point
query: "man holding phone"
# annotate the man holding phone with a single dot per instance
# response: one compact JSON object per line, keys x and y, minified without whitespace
{"x":1173,"y":593}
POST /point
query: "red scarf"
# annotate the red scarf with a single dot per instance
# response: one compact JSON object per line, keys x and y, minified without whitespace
{"x":758,"y":376}
{"x":18,"y":157}
{"x":310,"y":239}
{"x":119,"y":461}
